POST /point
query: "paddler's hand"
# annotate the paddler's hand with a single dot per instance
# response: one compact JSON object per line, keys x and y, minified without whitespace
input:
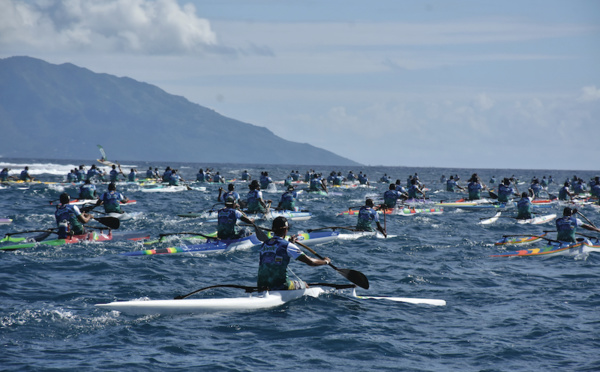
{"x":293,"y":239}
{"x":327,"y":260}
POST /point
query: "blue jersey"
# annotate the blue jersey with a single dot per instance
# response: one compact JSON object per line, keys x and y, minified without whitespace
{"x":66,"y":216}
{"x":174,"y":179}
{"x":390,"y":198}
{"x":112,"y":201}
{"x":595,"y":190}
{"x":4,"y":175}
{"x":24,"y":175}
{"x":93,"y":173}
{"x":114,"y":175}
{"x":233,"y":194}
{"x":563,"y":193}
{"x":366,"y":215}
{"x":475,"y":190}
{"x":227,"y":223}
{"x":524,"y":208}
{"x":412,"y":191}
{"x":450,"y":185}
{"x":316,"y":184}
{"x":254,"y":204}
{"x":87,"y":191}
{"x":245,"y":176}
{"x":149,"y":173}
{"x":275,"y":255}
{"x":504,"y":192}
{"x":132,"y":177}
{"x":288,"y":200}
{"x":166,"y":177}
{"x":566,"y":228}
{"x":265,"y":181}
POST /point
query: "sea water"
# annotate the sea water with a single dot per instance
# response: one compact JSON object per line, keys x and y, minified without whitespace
{"x":502,"y":314}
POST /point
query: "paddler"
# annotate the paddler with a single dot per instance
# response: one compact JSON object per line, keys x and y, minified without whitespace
{"x":275,"y":255}
{"x":475,"y":186}
{"x":505,"y":190}
{"x":288,"y":199}
{"x":451,"y":184}
{"x":4,"y":175}
{"x":524,"y":207}
{"x":256,"y":204}
{"x":414,"y":189}
{"x":227,"y":221}
{"x":69,"y":218}
{"x":595,"y":188}
{"x":132,"y":176}
{"x":113,"y":176}
{"x":175,"y":178}
{"x":564,"y":194}
{"x":112,"y":200}
{"x":367,"y":215}
{"x":245,"y":176}
{"x":566,"y":226}
{"x":391,"y":196}
{"x":88,"y":190}
{"x":25,"y":177}
{"x":230,"y":193}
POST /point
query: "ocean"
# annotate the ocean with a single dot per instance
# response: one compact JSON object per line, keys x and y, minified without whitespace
{"x":502,"y":314}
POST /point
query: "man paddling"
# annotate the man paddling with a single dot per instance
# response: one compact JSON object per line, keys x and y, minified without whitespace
{"x":391,"y":196}
{"x":288,"y":199}
{"x":275,"y":256}
{"x":25,"y":176}
{"x":367,"y":215}
{"x":566,"y":226}
{"x":69,"y":218}
{"x":88,"y":191}
{"x":227,"y":221}
{"x":230,"y":193}
{"x":524,"y":207}
{"x":256,"y":204}
{"x":112,"y":200}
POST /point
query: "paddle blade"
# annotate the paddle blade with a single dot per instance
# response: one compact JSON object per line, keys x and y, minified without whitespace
{"x":355,"y":277}
{"x":260,"y":234}
{"x":111,"y":222}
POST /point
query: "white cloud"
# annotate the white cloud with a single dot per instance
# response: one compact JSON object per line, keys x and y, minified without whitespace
{"x":134,"y":26}
{"x":589,"y":94}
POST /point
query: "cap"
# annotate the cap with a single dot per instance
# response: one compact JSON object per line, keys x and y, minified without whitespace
{"x":112,"y":186}
{"x":64,"y":198}
{"x":290,"y":188}
{"x":230,"y":200}
{"x":567,"y":211}
{"x":280,"y":223}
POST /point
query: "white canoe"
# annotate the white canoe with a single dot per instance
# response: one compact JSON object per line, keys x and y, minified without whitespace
{"x":538,"y":220}
{"x":263,"y":300}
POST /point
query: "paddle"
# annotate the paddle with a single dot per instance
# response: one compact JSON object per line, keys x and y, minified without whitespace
{"x":188,"y":233}
{"x":354,"y":276}
{"x":351,"y":228}
{"x":111,"y":222}
{"x":585,"y":218}
{"x":29,"y":231}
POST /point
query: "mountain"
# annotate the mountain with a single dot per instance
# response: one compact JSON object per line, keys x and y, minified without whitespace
{"x":63,"y":111}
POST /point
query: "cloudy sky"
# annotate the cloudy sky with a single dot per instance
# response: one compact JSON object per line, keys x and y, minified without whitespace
{"x":446,"y":83}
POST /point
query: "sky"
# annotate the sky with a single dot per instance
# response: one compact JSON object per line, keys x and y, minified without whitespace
{"x":443,"y":83}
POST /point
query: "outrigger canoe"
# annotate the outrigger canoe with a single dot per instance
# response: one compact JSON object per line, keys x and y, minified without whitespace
{"x":98,"y":236}
{"x":222,"y":245}
{"x":290,"y":215}
{"x":252,"y":302}
{"x":557,"y":248}
{"x":398,"y":211}
{"x":516,"y":240}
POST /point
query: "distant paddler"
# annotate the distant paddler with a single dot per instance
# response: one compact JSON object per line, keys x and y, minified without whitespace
{"x":475,"y":186}
{"x":94,"y":173}
{"x":391,"y":196}
{"x":451,"y":184}
{"x":505,"y":191}
{"x":317,"y":184}
{"x":288,"y":199}
{"x":227,"y":221}
{"x":245,"y":176}
{"x":566,"y":226}
{"x":275,"y":256}
{"x":524,"y":207}
{"x":366,"y":215}
{"x":265,"y":180}
{"x":132,"y":176}
{"x":69,"y":218}
{"x":112,"y":200}
{"x":230,"y":193}
{"x":256,"y":204}
{"x":564,"y":193}
{"x":175,"y":178}
{"x":25,"y":176}
{"x":415,"y":189}
{"x":4,"y":175}
{"x":595,"y":188}
{"x":113,"y":175}
{"x":149,"y":173}
{"x":88,"y":191}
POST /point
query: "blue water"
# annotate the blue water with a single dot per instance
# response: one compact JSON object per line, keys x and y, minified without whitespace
{"x":519,"y":314}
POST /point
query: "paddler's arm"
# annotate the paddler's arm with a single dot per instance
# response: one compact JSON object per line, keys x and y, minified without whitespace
{"x":84,"y":218}
{"x":590,"y":227}
{"x":313,"y":261}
